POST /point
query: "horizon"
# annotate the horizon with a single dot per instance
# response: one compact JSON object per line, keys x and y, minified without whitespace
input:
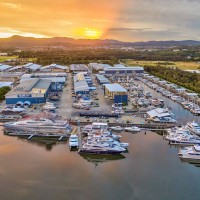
{"x":123,"y":20}
{"x":32,"y":37}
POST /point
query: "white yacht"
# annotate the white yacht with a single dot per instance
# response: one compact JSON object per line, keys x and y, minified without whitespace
{"x":132,"y":129}
{"x":190,"y":153}
{"x":73,"y":141}
{"x":40,"y":125}
{"x":194,"y":128}
{"x":97,"y":149}
{"x":116,"y":128}
{"x":49,"y":106}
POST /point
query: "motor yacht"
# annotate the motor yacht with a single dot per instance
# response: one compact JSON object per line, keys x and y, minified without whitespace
{"x":49,"y":106}
{"x":132,"y":129}
{"x":116,"y":128}
{"x":40,"y":125}
{"x":194,"y":128}
{"x":73,"y":141}
{"x":190,"y":153}
{"x":96,"y":149}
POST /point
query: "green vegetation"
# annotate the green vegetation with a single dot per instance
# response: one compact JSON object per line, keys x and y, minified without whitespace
{"x":180,"y":65}
{"x":4,"y":58}
{"x":3,"y":91}
{"x":188,"y":80}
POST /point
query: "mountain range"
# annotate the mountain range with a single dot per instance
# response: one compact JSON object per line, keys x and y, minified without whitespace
{"x":30,"y":42}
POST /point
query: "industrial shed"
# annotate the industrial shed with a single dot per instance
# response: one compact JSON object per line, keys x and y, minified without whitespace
{"x":116,"y":92}
{"x":121,"y":69}
{"x":102,"y":79}
{"x":35,"y":91}
{"x":4,"y":67}
{"x":54,"y":68}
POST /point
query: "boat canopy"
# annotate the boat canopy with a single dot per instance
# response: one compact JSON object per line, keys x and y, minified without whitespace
{"x":27,"y":103}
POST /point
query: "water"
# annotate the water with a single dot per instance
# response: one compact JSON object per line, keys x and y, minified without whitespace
{"x":151,"y":170}
{"x":182,"y":115}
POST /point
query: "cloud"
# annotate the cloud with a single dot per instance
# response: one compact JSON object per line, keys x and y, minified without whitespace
{"x":11,"y":5}
{"x":127,"y":20}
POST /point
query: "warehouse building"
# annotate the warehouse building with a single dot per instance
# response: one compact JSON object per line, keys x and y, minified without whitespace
{"x":102,"y":79}
{"x":80,"y":84}
{"x":34,"y":91}
{"x":32,"y":67}
{"x":4,"y":68}
{"x":121,"y":69}
{"x":77,"y":68}
{"x":10,"y":77}
{"x":99,"y":66}
{"x":57,"y":83}
{"x":116,"y":92}
{"x":54,"y":68}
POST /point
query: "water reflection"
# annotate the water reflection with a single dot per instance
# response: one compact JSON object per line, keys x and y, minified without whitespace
{"x":47,"y":144}
{"x":97,"y":159}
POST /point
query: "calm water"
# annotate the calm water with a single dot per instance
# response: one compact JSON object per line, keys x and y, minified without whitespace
{"x":151,"y":170}
{"x":32,"y":170}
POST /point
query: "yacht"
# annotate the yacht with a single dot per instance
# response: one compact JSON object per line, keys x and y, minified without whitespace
{"x":132,"y":129}
{"x":97,"y":149}
{"x":190,"y":153}
{"x":73,"y":141}
{"x":40,"y":125}
{"x":194,"y":128}
{"x":116,"y":128}
{"x":49,"y":106}
{"x":195,"y":110}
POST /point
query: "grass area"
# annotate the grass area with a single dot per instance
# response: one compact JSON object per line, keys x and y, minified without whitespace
{"x":181,"y":65}
{"x":4,"y":58}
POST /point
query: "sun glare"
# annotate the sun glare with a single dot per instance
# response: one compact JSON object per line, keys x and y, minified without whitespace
{"x":88,"y":33}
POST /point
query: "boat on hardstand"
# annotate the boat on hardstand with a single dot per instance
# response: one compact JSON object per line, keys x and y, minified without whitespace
{"x":132,"y":129}
{"x":116,"y":128}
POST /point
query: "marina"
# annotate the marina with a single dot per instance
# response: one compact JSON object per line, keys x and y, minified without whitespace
{"x":125,"y":125}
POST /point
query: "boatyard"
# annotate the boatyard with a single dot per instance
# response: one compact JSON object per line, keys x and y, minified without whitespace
{"x":104,"y":119}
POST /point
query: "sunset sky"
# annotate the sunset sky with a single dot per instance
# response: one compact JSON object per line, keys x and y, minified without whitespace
{"x":125,"y":20}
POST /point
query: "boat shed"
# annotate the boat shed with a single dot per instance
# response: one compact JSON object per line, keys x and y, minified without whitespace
{"x":4,"y":67}
{"x":158,"y":113}
{"x":116,"y":92}
{"x":76,"y":68}
{"x":54,"y":68}
{"x":102,"y":79}
{"x":32,"y":67}
{"x":34,"y":90}
{"x":121,"y":69}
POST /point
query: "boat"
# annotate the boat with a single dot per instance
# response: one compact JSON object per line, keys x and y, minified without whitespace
{"x":73,"y":141}
{"x":194,"y":128}
{"x":49,"y":106}
{"x":101,"y":150}
{"x":190,"y":153}
{"x":55,"y":97}
{"x":41,"y":125}
{"x":116,"y":128}
{"x":132,"y":129}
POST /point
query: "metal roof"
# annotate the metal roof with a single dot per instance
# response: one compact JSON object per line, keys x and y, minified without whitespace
{"x":115,"y":88}
{"x":4,"y":67}
{"x":55,"y":66}
{"x":3,"y":84}
{"x":28,"y":85}
{"x":121,"y":67}
{"x":32,"y":66}
{"x":81,"y":86}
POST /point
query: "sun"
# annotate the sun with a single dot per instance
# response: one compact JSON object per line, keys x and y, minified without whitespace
{"x":92,"y":33}
{"x":88,"y":33}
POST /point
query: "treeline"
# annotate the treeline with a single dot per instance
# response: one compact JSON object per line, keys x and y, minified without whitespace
{"x":3,"y":91}
{"x":111,"y":56}
{"x":185,"y":79}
